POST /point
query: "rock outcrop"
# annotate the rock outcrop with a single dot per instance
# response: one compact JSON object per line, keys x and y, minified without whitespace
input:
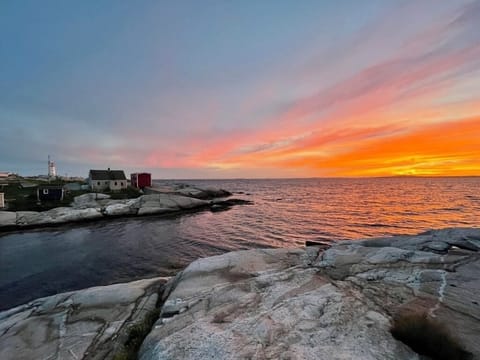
{"x":85,"y":324}
{"x":309,"y":304}
{"x":94,"y":206}
{"x":208,"y":193}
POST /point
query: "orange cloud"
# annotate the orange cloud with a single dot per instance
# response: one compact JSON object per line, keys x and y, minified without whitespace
{"x":395,"y":117}
{"x":450,"y":148}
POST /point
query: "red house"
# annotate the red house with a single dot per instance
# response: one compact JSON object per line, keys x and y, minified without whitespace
{"x":141,"y":180}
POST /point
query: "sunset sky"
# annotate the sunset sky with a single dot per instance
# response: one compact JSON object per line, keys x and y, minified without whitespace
{"x":228,"y":89}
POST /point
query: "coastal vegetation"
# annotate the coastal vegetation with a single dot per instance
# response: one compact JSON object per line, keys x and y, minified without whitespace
{"x":21,"y":194}
{"x":136,"y":335}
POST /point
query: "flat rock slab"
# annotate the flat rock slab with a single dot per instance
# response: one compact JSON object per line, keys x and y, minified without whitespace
{"x":320,"y":304}
{"x":84,"y":324}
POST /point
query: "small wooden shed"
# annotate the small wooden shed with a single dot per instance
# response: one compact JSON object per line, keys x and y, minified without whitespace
{"x":50,"y":193}
{"x":141,"y":180}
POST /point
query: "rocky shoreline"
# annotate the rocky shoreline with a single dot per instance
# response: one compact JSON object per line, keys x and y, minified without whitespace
{"x":95,"y":206}
{"x":312,"y":303}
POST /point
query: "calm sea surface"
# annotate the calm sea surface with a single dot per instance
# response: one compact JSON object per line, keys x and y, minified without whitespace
{"x":285,"y":214}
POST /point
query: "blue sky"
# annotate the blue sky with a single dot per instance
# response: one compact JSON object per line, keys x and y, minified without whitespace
{"x":182,"y":88}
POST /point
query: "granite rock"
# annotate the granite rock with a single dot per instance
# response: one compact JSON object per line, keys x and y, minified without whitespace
{"x":312,"y":303}
{"x":85,"y":324}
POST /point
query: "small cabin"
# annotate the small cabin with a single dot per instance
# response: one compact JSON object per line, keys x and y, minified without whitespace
{"x":50,"y":193}
{"x":141,"y":180}
{"x":113,"y":180}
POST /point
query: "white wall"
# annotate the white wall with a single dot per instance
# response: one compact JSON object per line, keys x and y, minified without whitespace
{"x":102,"y":185}
{"x":118,"y":184}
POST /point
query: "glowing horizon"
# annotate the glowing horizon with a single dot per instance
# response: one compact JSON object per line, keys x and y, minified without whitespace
{"x":382,"y":88}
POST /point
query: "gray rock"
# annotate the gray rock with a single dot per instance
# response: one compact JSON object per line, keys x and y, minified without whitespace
{"x":119,"y":209}
{"x":88,"y":200}
{"x":93,"y":206}
{"x":84,"y":324}
{"x":309,"y":304}
{"x":8,"y":218}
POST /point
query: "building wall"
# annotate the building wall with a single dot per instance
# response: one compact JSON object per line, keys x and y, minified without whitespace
{"x":102,"y":185}
{"x":141,"y":180}
{"x":99,"y":185}
{"x":2,"y":201}
{"x":44,"y":194}
{"x":116,"y":185}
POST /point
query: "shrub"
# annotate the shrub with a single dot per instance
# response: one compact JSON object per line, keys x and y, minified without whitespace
{"x":427,"y":337}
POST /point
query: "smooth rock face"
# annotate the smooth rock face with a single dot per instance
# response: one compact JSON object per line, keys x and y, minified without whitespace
{"x":84,"y":324}
{"x":309,"y":304}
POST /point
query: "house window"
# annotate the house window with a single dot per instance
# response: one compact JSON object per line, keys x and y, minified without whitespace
{"x":45,"y":191}
{"x":106,"y":182}
{"x":115,"y":183}
{"x":121,"y":183}
{"x":98,"y":183}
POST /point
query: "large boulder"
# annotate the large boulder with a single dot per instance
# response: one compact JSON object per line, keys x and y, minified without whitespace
{"x":89,"y":200}
{"x":207,"y":193}
{"x":204,"y":193}
{"x":119,"y":209}
{"x":313,"y":304}
{"x":161,"y":203}
{"x":65,"y":214}
{"x":84,"y":324}
{"x":55,"y":216}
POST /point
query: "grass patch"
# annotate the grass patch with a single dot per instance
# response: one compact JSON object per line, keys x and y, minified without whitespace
{"x":136,"y":335}
{"x":19,"y":198}
{"x":427,"y":337}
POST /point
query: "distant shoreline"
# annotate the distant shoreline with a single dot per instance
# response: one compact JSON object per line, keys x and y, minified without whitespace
{"x":93,"y":207}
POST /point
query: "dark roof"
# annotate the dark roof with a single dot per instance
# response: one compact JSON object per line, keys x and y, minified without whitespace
{"x":107,"y":175}
{"x":59,"y":187}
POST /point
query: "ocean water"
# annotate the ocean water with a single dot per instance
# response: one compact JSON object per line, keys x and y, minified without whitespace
{"x":285,"y":213}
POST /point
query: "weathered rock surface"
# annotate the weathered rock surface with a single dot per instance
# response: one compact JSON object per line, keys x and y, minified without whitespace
{"x":190,"y":191}
{"x":309,"y":304}
{"x":84,"y":324}
{"x":95,"y":206}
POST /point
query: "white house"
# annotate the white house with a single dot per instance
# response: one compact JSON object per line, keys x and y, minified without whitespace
{"x":101,"y":180}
